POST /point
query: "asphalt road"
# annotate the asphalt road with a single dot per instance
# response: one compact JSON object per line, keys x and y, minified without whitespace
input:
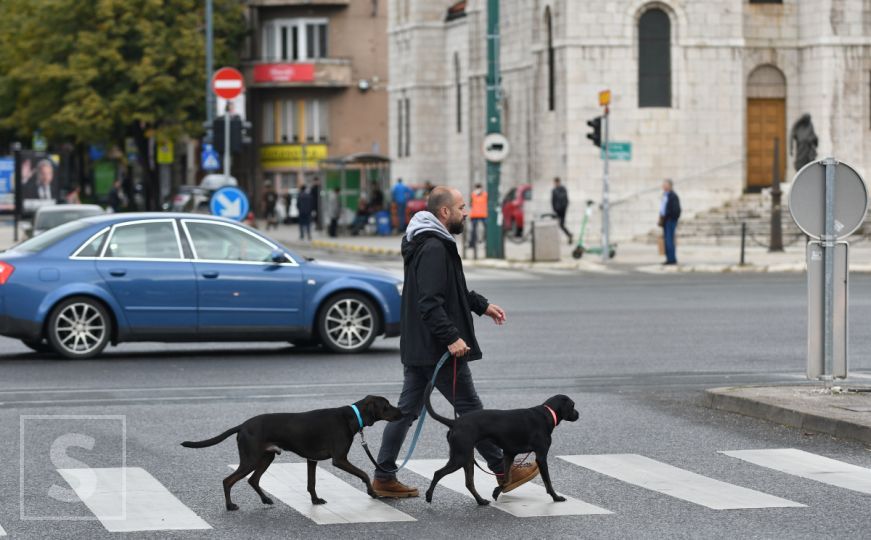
{"x":634,"y":351}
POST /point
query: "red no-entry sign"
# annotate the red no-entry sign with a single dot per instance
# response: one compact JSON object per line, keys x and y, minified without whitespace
{"x":227,"y":83}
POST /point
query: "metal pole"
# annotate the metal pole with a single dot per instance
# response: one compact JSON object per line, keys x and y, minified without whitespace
{"x":226,"y":147}
{"x":494,"y":125}
{"x":829,"y":254}
{"x":775,"y":242}
{"x":17,"y":183}
{"x":210,"y":68}
{"x":743,"y":237}
{"x":606,"y":246}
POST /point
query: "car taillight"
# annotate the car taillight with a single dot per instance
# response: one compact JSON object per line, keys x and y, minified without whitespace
{"x":6,"y":270}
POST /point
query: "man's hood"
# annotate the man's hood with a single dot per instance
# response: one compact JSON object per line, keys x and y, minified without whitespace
{"x":422,"y":226}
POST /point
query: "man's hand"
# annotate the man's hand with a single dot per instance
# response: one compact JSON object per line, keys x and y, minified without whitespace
{"x":496,"y":313}
{"x":459,"y":348}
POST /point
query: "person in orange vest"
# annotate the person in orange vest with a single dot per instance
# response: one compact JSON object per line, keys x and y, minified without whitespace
{"x":478,"y":215}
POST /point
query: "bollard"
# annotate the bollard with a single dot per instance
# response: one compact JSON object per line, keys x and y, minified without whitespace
{"x":743,"y":237}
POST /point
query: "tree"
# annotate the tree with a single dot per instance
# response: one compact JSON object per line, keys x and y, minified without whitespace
{"x":103,"y":70}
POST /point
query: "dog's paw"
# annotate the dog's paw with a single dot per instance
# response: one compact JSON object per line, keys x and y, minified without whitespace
{"x":496,"y":492}
{"x":559,"y":498}
{"x":483,"y":502}
{"x":267,"y":500}
{"x":372,"y":493}
{"x":428,"y":497}
{"x":232,"y":506}
{"x":319,"y":501}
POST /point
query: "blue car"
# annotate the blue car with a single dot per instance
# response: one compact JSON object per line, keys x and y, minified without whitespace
{"x":184,"y":277}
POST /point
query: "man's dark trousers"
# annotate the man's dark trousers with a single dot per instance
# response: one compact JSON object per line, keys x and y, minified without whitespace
{"x":411,"y":402}
{"x":561,"y":215}
{"x":668,"y":231}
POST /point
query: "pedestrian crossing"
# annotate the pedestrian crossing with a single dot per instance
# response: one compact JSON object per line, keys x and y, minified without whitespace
{"x":130,"y":499}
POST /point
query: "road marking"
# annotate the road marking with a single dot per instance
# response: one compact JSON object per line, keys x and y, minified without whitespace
{"x":810,"y":466}
{"x":127,"y":499}
{"x":2,"y":532}
{"x":529,"y":500}
{"x":682,"y":484}
{"x":345,"y":504}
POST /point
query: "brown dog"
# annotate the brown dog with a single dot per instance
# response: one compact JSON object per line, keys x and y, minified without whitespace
{"x":314,"y":435}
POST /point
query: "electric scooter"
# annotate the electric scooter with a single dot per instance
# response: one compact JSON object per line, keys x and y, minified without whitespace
{"x":579,"y":250}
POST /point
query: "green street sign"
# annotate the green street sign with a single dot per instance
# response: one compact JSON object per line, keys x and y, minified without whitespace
{"x":621,"y":151}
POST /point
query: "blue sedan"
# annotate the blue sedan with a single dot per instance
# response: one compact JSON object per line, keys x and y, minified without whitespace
{"x":184,"y":277}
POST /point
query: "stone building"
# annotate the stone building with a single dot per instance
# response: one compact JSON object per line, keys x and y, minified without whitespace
{"x":701,"y":89}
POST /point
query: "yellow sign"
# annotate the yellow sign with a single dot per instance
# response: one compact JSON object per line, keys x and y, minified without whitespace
{"x":165,"y":152}
{"x":604,"y":98}
{"x":282,"y":156}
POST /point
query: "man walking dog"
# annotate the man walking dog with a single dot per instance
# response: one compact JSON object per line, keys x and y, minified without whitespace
{"x":437,"y":316}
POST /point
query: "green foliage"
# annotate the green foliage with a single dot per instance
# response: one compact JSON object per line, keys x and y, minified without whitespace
{"x":96,"y":71}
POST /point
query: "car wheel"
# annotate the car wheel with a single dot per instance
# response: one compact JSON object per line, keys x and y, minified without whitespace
{"x":38,"y":345}
{"x":79,"y":328}
{"x":348,"y":323}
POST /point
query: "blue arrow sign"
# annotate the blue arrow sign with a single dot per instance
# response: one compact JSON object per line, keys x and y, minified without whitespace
{"x":209,"y":158}
{"x":230,"y":202}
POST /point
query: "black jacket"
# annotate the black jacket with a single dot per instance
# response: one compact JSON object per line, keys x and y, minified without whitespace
{"x":436,"y":304}
{"x":559,"y":199}
{"x":672,"y":207}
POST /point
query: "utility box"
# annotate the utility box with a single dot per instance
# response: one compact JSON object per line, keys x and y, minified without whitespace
{"x":545,"y":240}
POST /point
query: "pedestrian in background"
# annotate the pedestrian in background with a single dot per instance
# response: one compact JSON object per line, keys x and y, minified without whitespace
{"x":334,"y":207}
{"x":669,"y":213}
{"x":270,"y":199}
{"x":478,"y":215}
{"x":436,"y":316}
{"x":559,"y":201}
{"x":400,"y":195}
{"x":305,"y":206}
{"x":73,"y":197}
{"x":117,"y":198}
{"x":316,"y":198}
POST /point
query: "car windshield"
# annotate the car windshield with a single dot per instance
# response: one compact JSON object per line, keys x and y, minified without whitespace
{"x":50,"y":220}
{"x":51,"y":237}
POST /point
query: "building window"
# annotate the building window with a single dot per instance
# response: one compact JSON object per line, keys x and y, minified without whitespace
{"x":459,"y":91}
{"x":654,"y":59}
{"x":268,"y":123}
{"x":289,"y":122}
{"x":315,"y":121}
{"x":551,"y":91}
{"x":399,"y":125}
{"x":295,"y":118}
{"x":295,"y":39}
{"x":407,"y":126}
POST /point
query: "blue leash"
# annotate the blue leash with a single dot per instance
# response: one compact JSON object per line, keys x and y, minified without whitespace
{"x":417,"y":430}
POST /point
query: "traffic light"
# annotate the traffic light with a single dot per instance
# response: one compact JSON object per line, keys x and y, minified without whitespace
{"x":235,"y":134}
{"x":596,"y":134}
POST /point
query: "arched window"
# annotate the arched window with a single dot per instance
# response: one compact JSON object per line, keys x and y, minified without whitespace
{"x":459,"y":90}
{"x":654,"y":59}
{"x":550,"y":73}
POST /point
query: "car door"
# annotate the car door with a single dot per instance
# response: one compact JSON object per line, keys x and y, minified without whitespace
{"x":143,"y":265}
{"x":241,"y":289}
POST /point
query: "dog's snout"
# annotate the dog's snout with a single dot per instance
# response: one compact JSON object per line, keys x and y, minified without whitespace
{"x":574,"y":416}
{"x":393,"y":413}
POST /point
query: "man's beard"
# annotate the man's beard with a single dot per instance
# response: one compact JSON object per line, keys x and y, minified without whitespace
{"x":456,"y":227}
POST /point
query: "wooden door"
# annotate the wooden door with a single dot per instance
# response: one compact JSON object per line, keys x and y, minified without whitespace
{"x":766,"y":121}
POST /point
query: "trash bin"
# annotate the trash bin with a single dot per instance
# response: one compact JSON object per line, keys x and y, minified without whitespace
{"x":545,"y":240}
{"x":382,"y":223}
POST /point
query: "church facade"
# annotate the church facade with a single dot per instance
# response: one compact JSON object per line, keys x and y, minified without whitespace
{"x":702,"y":91}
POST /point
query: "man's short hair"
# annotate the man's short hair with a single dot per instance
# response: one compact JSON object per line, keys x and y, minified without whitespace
{"x":439,"y":197}
{"x":669,"y":181}
{"x":478,"y":185}
{"x":556,"y":179}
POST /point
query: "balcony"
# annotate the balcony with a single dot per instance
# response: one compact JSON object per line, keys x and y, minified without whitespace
{"x":321,"y":73}
{"x":307,"y":3}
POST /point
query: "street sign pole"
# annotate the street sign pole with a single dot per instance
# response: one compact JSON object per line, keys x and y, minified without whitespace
{"x":829,"y":254}
{"x":494,"y":125}
{"x":606,"y":246}
{"x":210,"y":69}
{"x":227,"y":147}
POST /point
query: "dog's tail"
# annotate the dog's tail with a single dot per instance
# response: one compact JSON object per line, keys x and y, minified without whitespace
{"x":446,"y":421}
{"x":213,"y":441}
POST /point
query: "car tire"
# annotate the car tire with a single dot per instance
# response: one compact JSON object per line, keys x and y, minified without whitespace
{"x":38,"y":345}
{"x":348,"y":323}
{"x":79,"y":327}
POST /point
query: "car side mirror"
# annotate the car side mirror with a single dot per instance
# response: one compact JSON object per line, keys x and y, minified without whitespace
{"x":278,"y":256}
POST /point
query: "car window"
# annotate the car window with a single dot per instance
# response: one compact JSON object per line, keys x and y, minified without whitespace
{"x":527,"y":195}
{"x":51,"y":237}
{"x":92,"y":248}
{"x":219,"y":242}
{"x":147,"y":240}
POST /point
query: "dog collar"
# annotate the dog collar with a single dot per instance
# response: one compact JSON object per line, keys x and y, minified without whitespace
{"x":552,"y":413}
{"x":360,"y":418}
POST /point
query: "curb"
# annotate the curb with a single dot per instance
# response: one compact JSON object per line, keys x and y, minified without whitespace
{"x":720,"y":399}
{"x":356,"y":248}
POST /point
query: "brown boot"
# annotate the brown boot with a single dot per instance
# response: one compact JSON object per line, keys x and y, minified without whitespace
{"x":520,"y":474}
{"x":393,"y":489}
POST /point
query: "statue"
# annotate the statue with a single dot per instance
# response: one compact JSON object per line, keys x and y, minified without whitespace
{"x":803,"y":137}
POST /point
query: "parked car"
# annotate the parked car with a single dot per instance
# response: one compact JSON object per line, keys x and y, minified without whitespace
{"x":184,"y":277}
{"x":51,"y":216}
{"x":416,"y":203}
{"x":512,"y":208}
{"x":197,"y":198}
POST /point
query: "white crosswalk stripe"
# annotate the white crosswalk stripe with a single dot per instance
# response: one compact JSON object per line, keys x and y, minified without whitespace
{"x":127,"y":499}
{"x":680,"y":483}
{"x":810,"y":466}
{"x":2,"y":532}
{"x":529,"y":500}
{"x":345,"y":504}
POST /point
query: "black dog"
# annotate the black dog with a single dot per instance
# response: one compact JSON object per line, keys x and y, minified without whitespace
{"x":314,"y":435}
{"x":515,"y":431}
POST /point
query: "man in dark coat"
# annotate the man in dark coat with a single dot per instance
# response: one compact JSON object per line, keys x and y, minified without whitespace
{"x":436,"y":317}
{"x":559,"y":201}
{"x":305,"y":205}
{"x":669,"y":213}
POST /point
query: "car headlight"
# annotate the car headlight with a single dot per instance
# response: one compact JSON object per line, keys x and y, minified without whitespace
{"x":399,"y":288}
